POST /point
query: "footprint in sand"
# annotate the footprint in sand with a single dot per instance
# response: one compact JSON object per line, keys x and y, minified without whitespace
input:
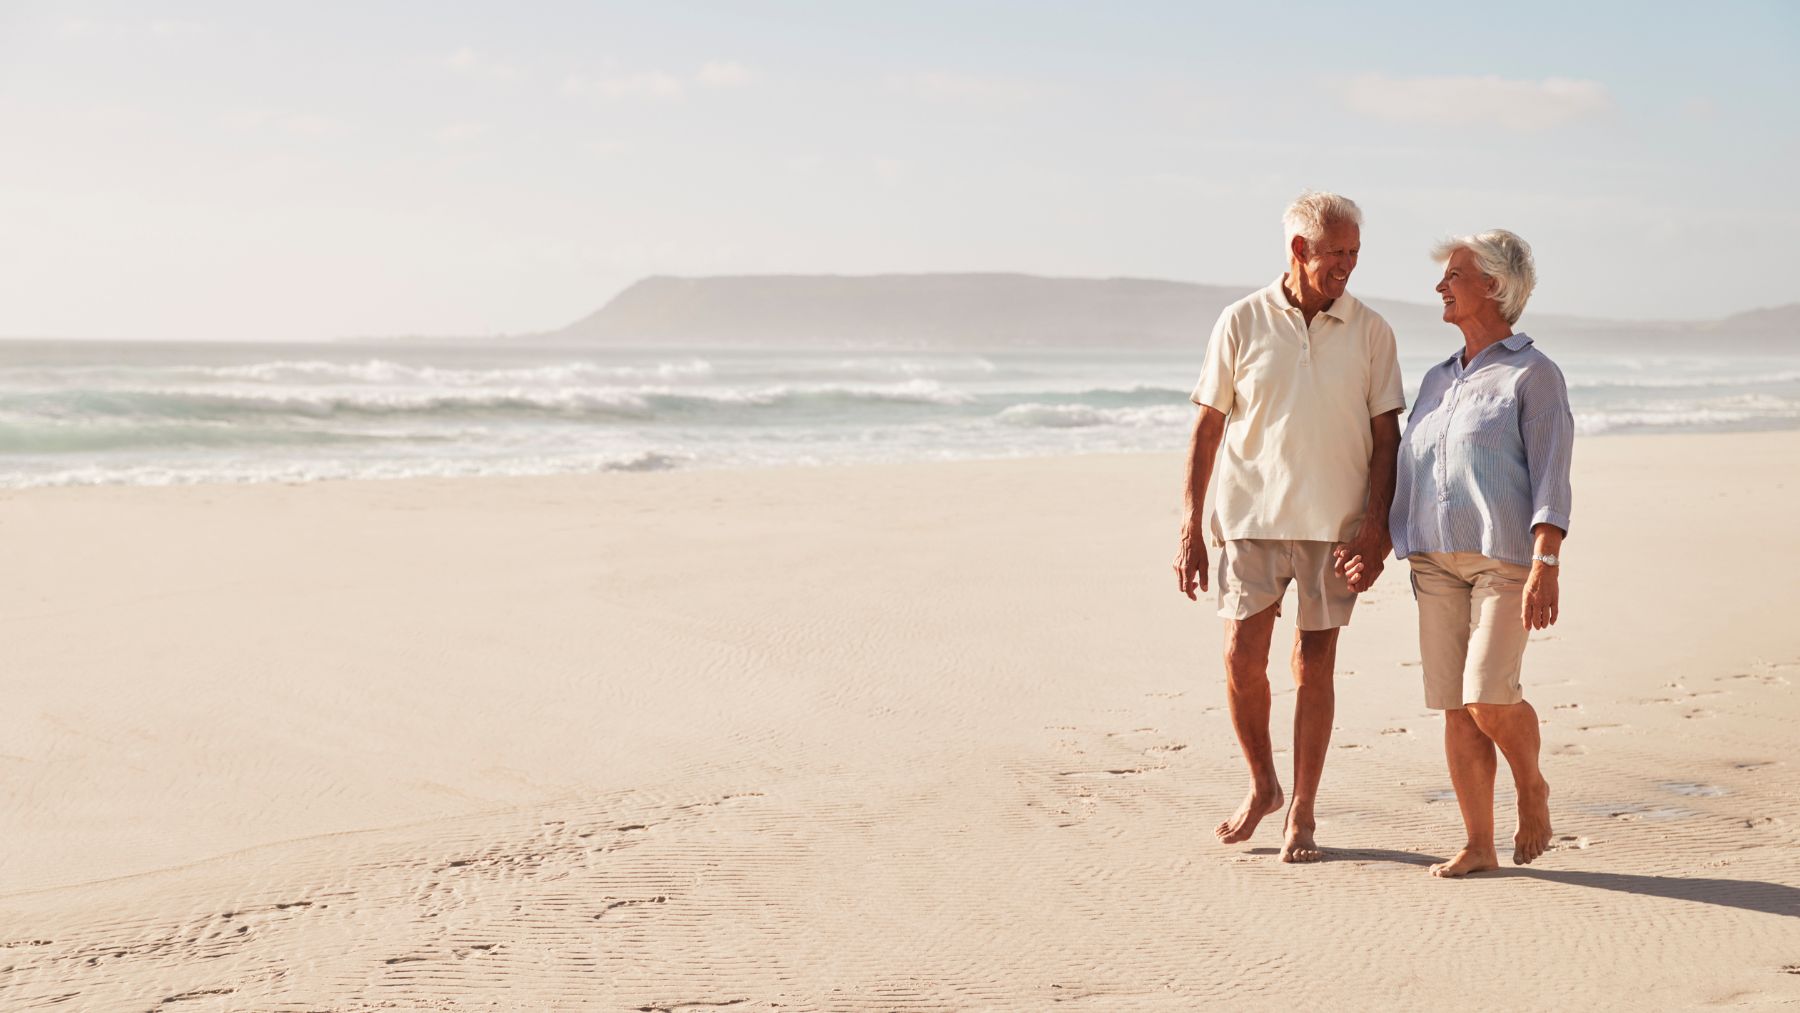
{"x":1396,"y":730}
{"x":1569,"y":842}
{"x":1598,"y":728}
{"x":1109,"y":773}
{"x":1692,"y":789}
{"x":614,"y":905}
{"x":1569,"y":749}
{"x":1771,"y":679}
{"x":201,"y":993}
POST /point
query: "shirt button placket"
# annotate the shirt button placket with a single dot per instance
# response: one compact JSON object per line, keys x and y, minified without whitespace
{"x":1444,"y":449}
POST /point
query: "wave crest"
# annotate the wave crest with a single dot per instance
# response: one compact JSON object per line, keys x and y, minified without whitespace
{"x":1070,"y":416}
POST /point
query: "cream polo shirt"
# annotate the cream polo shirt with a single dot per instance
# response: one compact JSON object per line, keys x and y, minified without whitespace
{"x":1294,"y":461}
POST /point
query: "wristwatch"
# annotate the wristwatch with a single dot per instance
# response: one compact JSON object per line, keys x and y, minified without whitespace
{"x":1547,"y":558}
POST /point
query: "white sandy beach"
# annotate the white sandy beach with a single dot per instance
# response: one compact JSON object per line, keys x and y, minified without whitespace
{"x":920,"y":737}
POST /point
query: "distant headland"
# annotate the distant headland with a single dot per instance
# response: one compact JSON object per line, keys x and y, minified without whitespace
{"x":1035,"y":312}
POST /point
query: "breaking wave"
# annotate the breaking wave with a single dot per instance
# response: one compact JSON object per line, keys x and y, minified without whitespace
{"x":223,"y":403}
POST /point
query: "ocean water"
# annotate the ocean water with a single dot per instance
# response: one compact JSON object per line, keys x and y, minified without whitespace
{"x":74,"y":413}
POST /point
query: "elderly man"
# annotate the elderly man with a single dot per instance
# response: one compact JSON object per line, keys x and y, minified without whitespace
{"x":1302,"y":391}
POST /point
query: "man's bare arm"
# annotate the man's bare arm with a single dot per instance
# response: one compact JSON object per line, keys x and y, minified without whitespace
{"x":1203,"y":450}
{"x":1361,"y":560}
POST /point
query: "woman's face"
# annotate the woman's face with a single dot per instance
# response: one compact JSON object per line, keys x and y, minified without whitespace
{"x":1464,"y":287}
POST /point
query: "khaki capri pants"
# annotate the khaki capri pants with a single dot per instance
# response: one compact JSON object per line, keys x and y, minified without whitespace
{"x":1471,"y":639}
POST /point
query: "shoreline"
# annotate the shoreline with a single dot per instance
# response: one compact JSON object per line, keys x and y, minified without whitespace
{"x":728,"y":468}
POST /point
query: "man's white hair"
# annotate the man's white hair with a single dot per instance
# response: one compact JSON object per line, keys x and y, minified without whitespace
{"x":1313,"y":212}
{"x":1502,"y":256}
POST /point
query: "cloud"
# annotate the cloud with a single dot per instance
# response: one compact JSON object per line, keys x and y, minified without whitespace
{"x":805,"y":163}
{"x":891,"y":171}
{"x":471,"y":63}
{"x":88,"y":28}
{"x":312,"y":125}
{"x":309,"y":125}
{"x":1698,"y":108}
{"x":1189,"y":183}
{"x":653,"y":84}
{"x":947,"y":86}
{"x":724,"y":74}
{"x":116,"y":28}
{"x":659,"y":85}
{"x":456,"y":133}
{"x":1469,"y":101}
{"x":173,"y":29}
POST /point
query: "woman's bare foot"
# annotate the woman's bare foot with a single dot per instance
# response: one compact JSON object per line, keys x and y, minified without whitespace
{"x":1533,"y":838}
{"x":1243,"y":823}
{"x":1466,"y":861}
{"x":1299,"y":846}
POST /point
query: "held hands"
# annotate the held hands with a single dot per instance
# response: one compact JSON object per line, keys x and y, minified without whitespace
{"x":1359,"y":561}
{"x":1539,"y":610}
{"x":1190,"y":561}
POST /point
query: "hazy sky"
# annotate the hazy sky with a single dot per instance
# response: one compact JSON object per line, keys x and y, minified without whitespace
{"x":313,"y":170}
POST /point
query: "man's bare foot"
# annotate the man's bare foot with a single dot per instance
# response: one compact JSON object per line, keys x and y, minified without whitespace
{"x":1243,"y":823}
{"x":1299,"y":846}
{"x":1533,"y":838}
{"x":1466,"y":861}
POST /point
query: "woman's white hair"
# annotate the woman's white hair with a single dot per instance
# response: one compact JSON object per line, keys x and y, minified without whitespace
{"x":1503,"y":257}
{"x":1314,"y":211}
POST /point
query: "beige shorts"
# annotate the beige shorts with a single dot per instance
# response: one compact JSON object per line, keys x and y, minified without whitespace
{"x":1254,"y":574}
{"x":1471,"y":639}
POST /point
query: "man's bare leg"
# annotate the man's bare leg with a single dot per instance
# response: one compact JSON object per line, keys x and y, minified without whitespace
{"x":1247,"y":690}
{"x":1315,"y":702}
{"x":1472,"y":764}
{"x":1514,"y":728}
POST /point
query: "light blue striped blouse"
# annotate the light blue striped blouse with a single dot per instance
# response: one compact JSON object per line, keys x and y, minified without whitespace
{"x":1485,"y":456}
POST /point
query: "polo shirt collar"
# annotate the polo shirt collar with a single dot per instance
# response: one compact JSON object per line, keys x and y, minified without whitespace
{"x":1278,"y":294}
{"x":1339,"y":309}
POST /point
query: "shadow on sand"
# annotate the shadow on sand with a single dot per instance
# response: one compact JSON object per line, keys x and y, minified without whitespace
{"x":1743,"y":894}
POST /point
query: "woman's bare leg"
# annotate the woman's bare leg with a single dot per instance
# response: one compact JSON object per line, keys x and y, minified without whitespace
{"x":1472,"y":766}
{"x":1514,"y":728}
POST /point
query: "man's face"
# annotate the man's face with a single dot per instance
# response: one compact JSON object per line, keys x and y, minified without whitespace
{"x":1328,"y":262}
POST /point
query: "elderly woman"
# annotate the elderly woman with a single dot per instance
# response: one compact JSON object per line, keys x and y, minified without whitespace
{"x":1481,"y":505}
